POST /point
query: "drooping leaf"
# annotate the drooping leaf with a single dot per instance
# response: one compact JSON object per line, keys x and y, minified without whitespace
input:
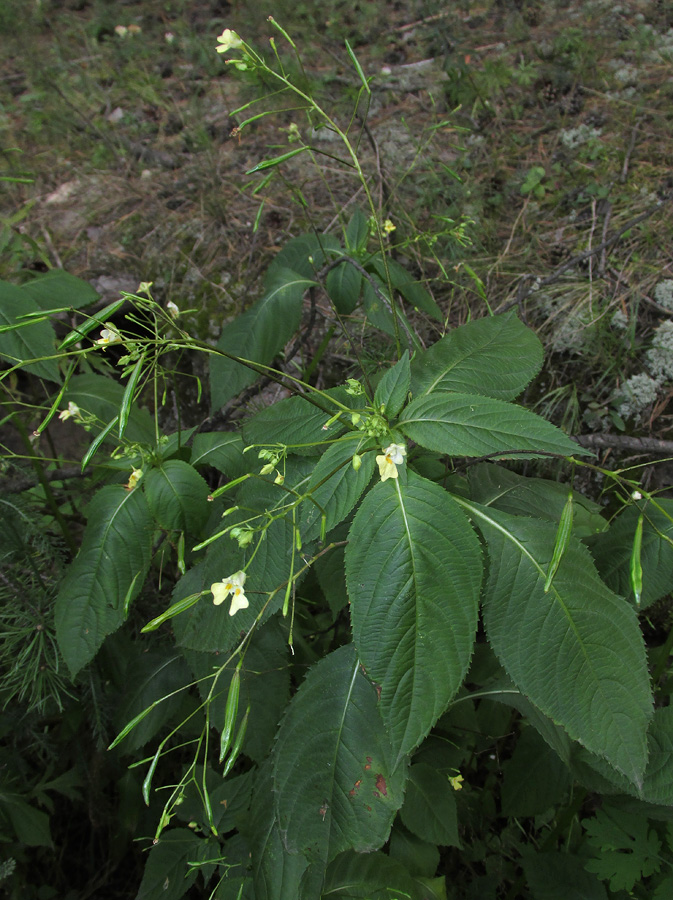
{"x":561,"y":876}
{"x":496,"y":486}
{"x":29,"y":340}
{"x":535,"y":779}
{"x":357,"y":233}
{"x":379,"y":311}
{"x":31,"y":826}
{"x":221,"y":449}
{"x":57,"y":288}
{"x":473,"y":425}
{"x":413,"y":571}
{"x":392,"y":390}
{"x":612,"y":552}
{"x":150,"y":676}
{"x":369,"y":876}
{"x":177,"y":496}
{"x":336,"y":785}
{"x":429,"y":809}
{"x":304,"y":254}
{"x":338,"y":494}
{"x":264,"y":687}
{"x":166,"y":876}
{"x":413,"y":291}
{"x":299,"y":424}
{"x":496,"y":356}
{"x":102,"y":397}
{"x":107,"y":573}
{"x":344,"y":286}
{"x":257,"y":336}
{"x":277,"y":874}
{"x":575,"y":651}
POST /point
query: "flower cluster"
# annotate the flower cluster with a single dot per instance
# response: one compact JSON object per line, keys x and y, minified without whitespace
{"x":72,"y":412}
{"x":233,"y":585}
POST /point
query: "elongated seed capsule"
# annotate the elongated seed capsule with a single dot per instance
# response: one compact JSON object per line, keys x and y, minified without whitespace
{"x":563,"y":533}
{"x":635,"y":567}
{"x":236,"y":749}
{"x":231,"y":711}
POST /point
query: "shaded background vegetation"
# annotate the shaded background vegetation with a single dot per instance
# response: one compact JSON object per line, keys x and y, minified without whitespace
{"x":545,"y":125}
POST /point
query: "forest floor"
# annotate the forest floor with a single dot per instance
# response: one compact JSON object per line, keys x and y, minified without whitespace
{"x":544,"y":127}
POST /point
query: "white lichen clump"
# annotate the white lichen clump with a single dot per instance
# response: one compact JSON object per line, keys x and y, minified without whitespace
{"x":660,"y":355}
{"x":637,"y":394}
{"x":572,"y":138}
{"x":663,"y":293}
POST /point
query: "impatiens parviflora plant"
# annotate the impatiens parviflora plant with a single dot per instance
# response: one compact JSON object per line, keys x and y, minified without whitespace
{"x":401,"y":590}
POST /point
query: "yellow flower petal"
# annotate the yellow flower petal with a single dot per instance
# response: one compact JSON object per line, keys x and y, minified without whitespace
{"x":238,"y":601}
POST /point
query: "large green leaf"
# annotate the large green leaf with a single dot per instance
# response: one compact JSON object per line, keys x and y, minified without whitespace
{"x":336,"y":785}
{"x":496,"y":486}
{"x":413,"y":570}
{"x":257,"y":336}
{"x":472,"y":425}
{"x":58,"y":289}
{"x":177,"y":496}
{"x":335,"y":493}
{"x":221,"y":449}
{"x":413,"y":291}
{"x":575,"y":651}
{"x":344,"y":286}
{"x":277,"y":874}
{"x":429,"y":809}
{"x":561,"y":876}
{"x":369,"y":876}
{"x":496,"y":356}
{"x":29,"y":340}
{"x":102,"y":397}
{"x":107,"y":573}
{"x":613,"y":549}
{"x":303,"y":254}
{"x":149,"y":676}
{"x":299,"y":424}
{"x":392,"y":389}
{"x":166,"y":876}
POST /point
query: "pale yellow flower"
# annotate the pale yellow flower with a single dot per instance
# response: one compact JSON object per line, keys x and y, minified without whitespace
{"x":173,"y":309}
{"x":232,"y":585}
{"x":136,"y":475}
{"x":456,"y":782}
{"x":121,"y":30}
{"x":388,"y":227}
{"x":228,"y":40}
{"x":393,"y":456}
{"x":144,"y":287}
{"x":72,"y":410}
{"x":108,"y":336}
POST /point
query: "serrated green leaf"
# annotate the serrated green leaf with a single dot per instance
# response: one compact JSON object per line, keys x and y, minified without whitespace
{"x":576,"y":651}
{"x":534,"y":779}
{"x":496,"y":356}
{"x":116,"y":550}
{"x":166,"y":875}
{"x":628,"y":849}
{"x":257,"y":336}
{"x":150,"y":676}
{"x":29,"y":342}
{"x":336,"y":787}
{"x":299,"y":424}
{"x":103,"y":397}
{"x":392,"y":390}
{"x":177,"y":496}
{"x":561,"y":876}
{"x":413,"y":291}
{"x":277,"y":874}
{"x":429,"y":809}
{"x":357,"y":233}
{"x":612,"y":552}
{"x":369,"y":876}
{"x":413,"y":571}
{"x":344,"y":286}
{"x":519,"y":495}
{"x":264,"y":687}
{"x":223,"y":450}
{"x":340,"y":492}
{"x":473,"y":425}
{"x":59,"y":288}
